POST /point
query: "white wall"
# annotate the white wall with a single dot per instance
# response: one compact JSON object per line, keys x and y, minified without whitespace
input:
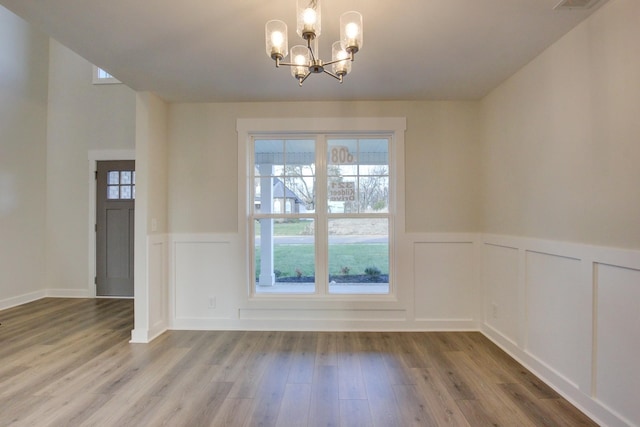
{"x":23,"y":122}
{"x":150,"y":284}
{"x":561,"y":138}
{"x":560,"y":164}
{"x":81,"y":117}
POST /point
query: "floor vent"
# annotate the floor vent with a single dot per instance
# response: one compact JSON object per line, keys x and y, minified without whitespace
{"x":575,"y":4}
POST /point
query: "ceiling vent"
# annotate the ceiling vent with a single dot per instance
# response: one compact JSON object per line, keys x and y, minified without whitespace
{"x":575,"y":4}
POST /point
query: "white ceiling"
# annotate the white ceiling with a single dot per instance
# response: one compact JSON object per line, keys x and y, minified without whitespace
{"x":197,"y":50}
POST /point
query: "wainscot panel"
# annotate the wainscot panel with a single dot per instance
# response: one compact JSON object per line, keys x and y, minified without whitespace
{"x":577,"y":313}
{"x":444,"y":281}
{"x":617,"y":382}
{"x":158,"y":287}
{"x":501,"y":293}
{"x":558,"y":313}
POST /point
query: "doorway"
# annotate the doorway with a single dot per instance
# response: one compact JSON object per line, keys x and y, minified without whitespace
{"x":115,"y":212}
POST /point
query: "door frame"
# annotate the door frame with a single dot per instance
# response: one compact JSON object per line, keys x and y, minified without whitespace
{"x":96,"y":156}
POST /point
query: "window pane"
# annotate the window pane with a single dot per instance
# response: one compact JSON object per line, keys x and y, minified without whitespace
{"x":373,"y":193}
{"x":342,"y":195}
{"x":372,"y":152}
{"x":133,"y":180}
{"x":300,"y":153}
{"x":113,"y":192}
{"x":125,"y":177}
{"x":301,"y":194}
{"x":102,"y":74}
{"x":284,"y":256}
{"x":342,"y":157}
{"x":133,"y":192}
{"x":359,"y":256}
{"x":269,"y":157}
{"x":257,"y":196}
{"x":125,"y":192}
{"x":113,"y":178}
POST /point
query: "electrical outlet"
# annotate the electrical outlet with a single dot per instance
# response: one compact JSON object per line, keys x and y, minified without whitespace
{"x":494,"y":310}
{"x":212,"y":302}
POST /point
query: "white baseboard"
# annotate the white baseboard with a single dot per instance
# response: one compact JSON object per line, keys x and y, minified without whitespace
{"x":44,"y":293}
{"x":145,"y":336}
{"x":66,"y":293}
{"x":21,"y":299}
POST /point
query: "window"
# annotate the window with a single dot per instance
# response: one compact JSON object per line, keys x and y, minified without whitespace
{"x":121,"y":185}
{"x":100,"y":76}
{"x":321,"y":217}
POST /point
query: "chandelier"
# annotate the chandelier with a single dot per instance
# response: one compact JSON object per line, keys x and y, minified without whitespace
{"x":305,"y":59}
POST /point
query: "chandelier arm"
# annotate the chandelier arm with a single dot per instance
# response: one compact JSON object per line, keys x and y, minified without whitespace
{"x":291,"y":64}
{"x":335,"y":61}
{"x":304,"y":78}
{"x":335,"y":76}
{"x":313,"y":55}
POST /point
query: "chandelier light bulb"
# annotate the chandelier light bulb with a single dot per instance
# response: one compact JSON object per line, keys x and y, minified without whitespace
{"x":300,"y":64}
{"x":341,"y":61}
{"x":308,"y":19}
{"x":276,"y":39}
{"x":309,"y":16}
{"x":352,"y":30}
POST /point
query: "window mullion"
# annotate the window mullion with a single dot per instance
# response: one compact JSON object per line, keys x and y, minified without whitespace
{"x":322,"y":264}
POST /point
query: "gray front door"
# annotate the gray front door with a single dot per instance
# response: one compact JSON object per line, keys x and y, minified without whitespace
{"x":116,"y":193}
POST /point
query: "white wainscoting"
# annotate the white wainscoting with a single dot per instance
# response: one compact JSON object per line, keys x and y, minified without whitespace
{"x":570,"y":313}
{"x":205,"y":281}
{"x":436,"y":288}
{"x":617,"y":336}
{"x":445,"y":281}
{"x":158,"y":284}
{"x":151,"y":306}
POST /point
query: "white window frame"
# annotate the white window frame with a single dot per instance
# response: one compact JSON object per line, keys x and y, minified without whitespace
{"x":393,"y":127}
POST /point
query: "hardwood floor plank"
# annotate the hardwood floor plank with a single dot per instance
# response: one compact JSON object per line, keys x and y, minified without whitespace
{"x":523,"y":376}
{"x":442,"y":405}
{"x":16,"y":408}
{"x":326,"y":352}
{"x":294,"y":409}
{"x":232,"y":413}
{"x":566,"y":414}
{"x":382,"y":400}
{"x":304,"y":358}
{"x":528,"y":405}
{"x":324,"y":409}
{"x":355,"y":413}
{"x":270,"y":390}
{"x":397,"y":370}
{"x":249,"y":372}
{"x":350,"y":380}
{"x":487,"y":392}
{"x":413,"y":406}
{"x":68,"y":362}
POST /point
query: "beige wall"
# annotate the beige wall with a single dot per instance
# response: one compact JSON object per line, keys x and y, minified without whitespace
{"x":81,"y":117}
{"x":562,"y":149}
{"x":442,"y":160}
{"x":23,"y":120}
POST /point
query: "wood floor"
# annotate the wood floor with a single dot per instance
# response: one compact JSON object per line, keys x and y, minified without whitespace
{"x":67,"y":362}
